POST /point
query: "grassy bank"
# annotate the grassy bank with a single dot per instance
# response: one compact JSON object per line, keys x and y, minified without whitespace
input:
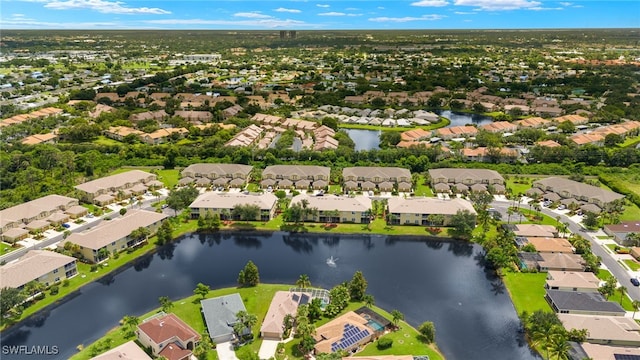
{"x":257,"y":300}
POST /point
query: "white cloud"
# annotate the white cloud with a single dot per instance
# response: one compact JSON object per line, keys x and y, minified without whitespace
{"x":103,"y":6}
{"x":430,"y":3}
{"x":252,"y":15}
{"x":464,"y":12}
{"x":498,"y":5}
{"x":566,"y":4}
{"x":333,"y":13}
{"x":380,"y":7}
{"x":23,"y":23}
{"x":323,"y":5}
{"x":295,"y":11}
{"x":407,"y":18}
{"x":259,"y":23}
{"x":539,"y":8}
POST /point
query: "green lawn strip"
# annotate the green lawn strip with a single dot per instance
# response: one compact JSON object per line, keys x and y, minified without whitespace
{"x":442,"y":123}
{"x":612,"y":247}
{"x":604,"y":274}
{"x":256,"y":300}
{"x":253,"y":187}
{"x":630,"y":141}
{"x":410,"y":346}
{"x":631,"y":212}
{"x":335,"y":189}
{"x":7,"y":248}
{"x":527,"y":291}
{"x":546,"y":219}
{"x":423,"y":189}
{"x":517,"y":188}
{"x":169,"y":177}
{"x":103,"y":140}
{"x":632,"y":264}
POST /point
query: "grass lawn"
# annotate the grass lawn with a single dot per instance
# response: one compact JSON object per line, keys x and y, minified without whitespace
{"x":612,"y":247}
{"x":632,"y":264}
{"x":335,"y":189}
{"x":630,"y":141}
{"x":518,"y":188}
{"x":103,"y":140}
{"x":546,"y":220}
{"x":422,"y":189}
{"x":526,"y":291}
{"x":604,"y":274}
{"x":253,"y":187}
{"x":169,"y":177}
{"x":256,"y":300}
{"x":378,"y":226}
{"x":631,"y":212}
{"x":405,"y":340}
{"x":6,"y":248}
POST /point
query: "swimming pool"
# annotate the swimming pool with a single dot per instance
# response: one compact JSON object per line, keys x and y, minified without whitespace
{"x":375,"y":325}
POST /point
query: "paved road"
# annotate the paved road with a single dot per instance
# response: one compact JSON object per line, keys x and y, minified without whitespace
{"x":608,"y":260}
{"x":146,"y":204}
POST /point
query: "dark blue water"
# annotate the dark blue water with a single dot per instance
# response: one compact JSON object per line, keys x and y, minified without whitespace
{"x":443,"y":282}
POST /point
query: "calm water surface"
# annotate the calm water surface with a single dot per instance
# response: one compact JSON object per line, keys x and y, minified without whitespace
{"x":370,"y":139}
{"x":443,"y":282}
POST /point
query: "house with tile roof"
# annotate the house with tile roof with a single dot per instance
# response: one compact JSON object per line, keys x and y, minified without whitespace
{"x":282,"y":304}
{"x":97,"y":243}
{"x":572,"y":281}
{"x":130,"y":182}
{"x":606,"y":330}
{"x":127,"y":351}
{"x":167,"y":335}
{"x":300,"y":176}
{"x":42,"y":208}
{"x":416,"y":211}
{"x":223,"y":204}
{"x":583,"y":303}
{"x":566,"y":188}
{"x":43,"y":266}
{"x":334,"y":209}
{"x":346,"y":332}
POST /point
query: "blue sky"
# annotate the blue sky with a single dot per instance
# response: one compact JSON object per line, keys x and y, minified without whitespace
{"x":317,"y":15}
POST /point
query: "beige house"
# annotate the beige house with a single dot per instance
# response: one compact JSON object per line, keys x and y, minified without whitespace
{"x":346,"y":332}
{"x":560,"y":262}
{"x":39,"y":209}
{"x":46,"y":267}
{"x":572,"y":281}
{"x":159,"y":136}
{"x":98,"y":243}
{"x":551,"y":244}
{"x":113,"y":185}
{"x":465,"y":176}
{"x":621,"y":231}
{"x":127,"y":351}
{"x":370,"y":178}
{"x":607,"y":352}
{"x":533,"y":230}
{"x":167,"y":335}
{"x":608,"y":330}
{"x":283,"y":303}
{"x":48,"y":138}
{"x":120,"y":132}
{"x":299,"y":176}
{"x":417,"y":211}
{"x":223,"y":204}
{"x":335,"y":209}
{"x":566,"y":188}
{"x":217,"y":171}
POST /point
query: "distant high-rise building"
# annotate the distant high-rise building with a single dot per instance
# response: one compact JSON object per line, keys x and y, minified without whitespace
{"x":284,"y":34}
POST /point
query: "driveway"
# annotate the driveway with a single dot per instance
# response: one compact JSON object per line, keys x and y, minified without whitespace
{"x":225,"y":351}
{"x":268,"y":349}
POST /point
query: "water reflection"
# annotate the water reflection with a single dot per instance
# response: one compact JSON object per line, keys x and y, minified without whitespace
{"x":427,"y":279}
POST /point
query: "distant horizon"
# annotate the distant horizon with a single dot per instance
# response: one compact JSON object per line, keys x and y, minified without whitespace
{"x":303,"y":15}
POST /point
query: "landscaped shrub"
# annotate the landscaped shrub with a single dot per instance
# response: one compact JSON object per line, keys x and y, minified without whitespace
{"x":65,"y":282}
{"x":54,"y":290}
{"x":94,"y":268}
{"x":384,"y":343}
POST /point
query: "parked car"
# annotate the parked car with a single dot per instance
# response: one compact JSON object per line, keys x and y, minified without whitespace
{"x":635,"y":281}
{"x":164,"y":206}
{"x":90,"y":216}
{"x":66,"y":226}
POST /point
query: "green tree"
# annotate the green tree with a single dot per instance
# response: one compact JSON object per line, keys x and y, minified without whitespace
{"x":369,"y":300}
{"x":396,"y":317}
{"x":567,"y":127}
{"x":9,"y":298}
{"x":202,"y":290}
{"x":357,"y":286}
{"x":428,"y":331}
{"x":130,"y":324}
{"x":590,"y":220}
{"x":303,"y":281}
{"x":165,"y":303}
{"x":181,"y":198}
{"x":246,"y":212}
{"x":249,"y":276}
{"x":462,"y":224}
{"x":608,"y":288}
{"x":165,"y":233}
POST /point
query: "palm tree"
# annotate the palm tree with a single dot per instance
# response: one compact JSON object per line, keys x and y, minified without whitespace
{"x":623,"y":291}
{"x":510,"y":212}
{"x":303,"y":281}
{"x":130,"y":322}
{"x":396,"y":317}
{"x":368,"y":299}
{"x":636,"y":306}
{"x":559,"y":348}
{"x":165,"y":303}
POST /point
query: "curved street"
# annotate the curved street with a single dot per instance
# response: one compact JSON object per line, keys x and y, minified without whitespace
{"x":608,"y":260}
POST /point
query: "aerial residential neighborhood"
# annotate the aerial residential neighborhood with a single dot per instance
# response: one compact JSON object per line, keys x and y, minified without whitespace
{"x":468,"y":181}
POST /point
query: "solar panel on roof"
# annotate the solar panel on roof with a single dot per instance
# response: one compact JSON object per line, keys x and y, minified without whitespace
{"x":626,"y":357}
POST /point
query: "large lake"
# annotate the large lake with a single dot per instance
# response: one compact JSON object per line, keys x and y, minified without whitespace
{"x":427,"y":280}
{"x":370,"y":139}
